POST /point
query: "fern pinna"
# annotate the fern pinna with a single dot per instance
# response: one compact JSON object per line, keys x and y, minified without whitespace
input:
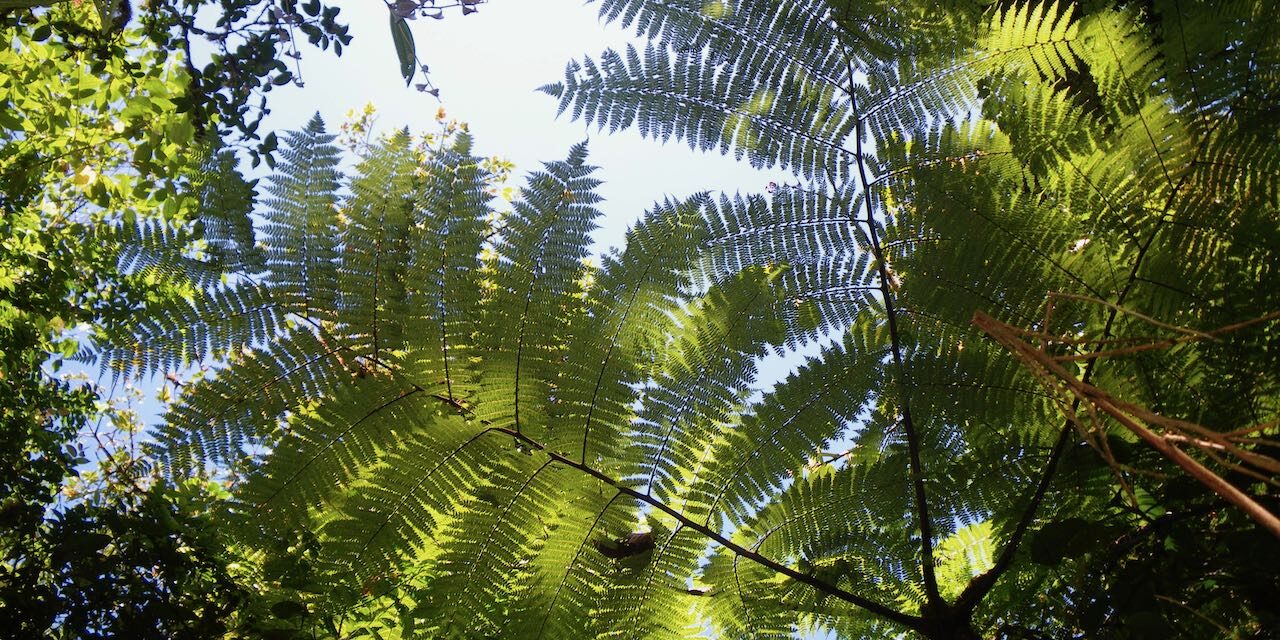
{"x":456,"y":403}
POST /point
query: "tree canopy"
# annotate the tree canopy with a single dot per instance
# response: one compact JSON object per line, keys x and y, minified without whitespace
{"x":1032,"y":245}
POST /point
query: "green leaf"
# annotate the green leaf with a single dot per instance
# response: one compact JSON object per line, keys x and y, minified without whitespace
{"x":286,"y":609}
{"x":26,"y":4}
{"x":403,"y":38}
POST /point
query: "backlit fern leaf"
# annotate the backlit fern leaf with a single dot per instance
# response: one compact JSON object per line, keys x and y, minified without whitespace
{"x":301,"y":223}
{"x":556,"y":448}
{"x":536,"y":275}
{"x":218,"y":324}
{"x":793,"y":123}
{"x":444,"y":282}
{"x":225,"y":201}
{"x":229,"y":417}
{"x":210,"y":320}
{"x":378,"y":224}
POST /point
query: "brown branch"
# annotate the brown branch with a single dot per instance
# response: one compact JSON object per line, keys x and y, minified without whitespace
{"x":1164,"y":344}
{"x":1103,"y":401}
{"x":914,"y":623}
{"x":932,"y":595}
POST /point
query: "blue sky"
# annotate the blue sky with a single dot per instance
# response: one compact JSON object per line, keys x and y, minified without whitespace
{"x":487,"y":66}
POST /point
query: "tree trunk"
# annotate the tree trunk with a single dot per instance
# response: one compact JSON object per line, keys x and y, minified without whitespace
{"x":953,"y":627}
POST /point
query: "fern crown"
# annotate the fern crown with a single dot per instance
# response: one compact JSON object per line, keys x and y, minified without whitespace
{"x":457,"y":403}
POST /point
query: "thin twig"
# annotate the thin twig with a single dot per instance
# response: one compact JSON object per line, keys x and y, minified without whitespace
{"x":1104,"y":402}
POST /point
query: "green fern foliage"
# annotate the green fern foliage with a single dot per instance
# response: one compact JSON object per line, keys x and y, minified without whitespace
{"x":462,"y":405}
{"x":301,"y":223}
{"x":987,"y":159}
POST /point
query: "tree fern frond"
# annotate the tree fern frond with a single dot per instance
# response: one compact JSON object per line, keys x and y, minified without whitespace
{"x":445,"y":275}
{"x":697,"y":384}
{"x":536,"y":278}
{"x":376,"y":227}
{"x":761,"y":38}
{"x":919,"y":91}
{"x":794,"y":123}
{"x":402,"y":503}
{"x":301,"y":223}
{"x":831,"y":523}
{"x":611,"y":346}
{"x":225,"y":201}
{"x":230,"y":417}
{"x":1121,"y":64}
{"x":827,"y":278}
{"x":560,"y":449}
{"x":1044,"y":31}
{"x":749,"y":463}
{"x":656,"y":602}
{"x":477,"y":571}
{"x":158,"y":250}
{"x":203,"y":331}
{"x":330,"y":443}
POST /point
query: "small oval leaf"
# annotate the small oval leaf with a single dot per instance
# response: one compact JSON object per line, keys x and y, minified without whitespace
{"x":403,"y":39}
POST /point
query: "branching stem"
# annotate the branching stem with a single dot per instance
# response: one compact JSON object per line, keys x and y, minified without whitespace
{"x":911,"y":622}
{"x":932,"y":594}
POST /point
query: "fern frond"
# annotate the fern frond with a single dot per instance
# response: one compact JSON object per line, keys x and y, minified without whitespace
{"x":631,"y":308}
{"x":225,"y":201}
{"x":560,"y":449}
{"x":697,"y":384}
{"x":232,"y":416}
{"x":827,"y":276}
{"x":445,"y":277}
{"x":403,"y":501}
{"x":778,"y":436}
{"x":376,"y":229}
{"x":221,"y":323}
{"x":765,"y":39}
{"x":535,"y":293}
{"x":301,"y":223}
{"x":919,"y":91}
{"x":655,"y":601}
{"x":327,"y":444}
{"x":793,"y":123}
{"x":832,"y":523}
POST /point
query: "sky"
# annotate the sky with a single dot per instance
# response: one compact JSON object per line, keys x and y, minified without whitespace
{"x":488,"y":66}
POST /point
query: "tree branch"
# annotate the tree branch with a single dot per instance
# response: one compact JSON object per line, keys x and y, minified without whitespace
{"x":981,"y":584}
{"x":932,"y":595}
{"x":1124,"y":414}
{"x":911,"y":622}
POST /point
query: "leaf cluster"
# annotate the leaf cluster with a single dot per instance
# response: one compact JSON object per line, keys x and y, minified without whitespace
{"x":108,"y":208}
